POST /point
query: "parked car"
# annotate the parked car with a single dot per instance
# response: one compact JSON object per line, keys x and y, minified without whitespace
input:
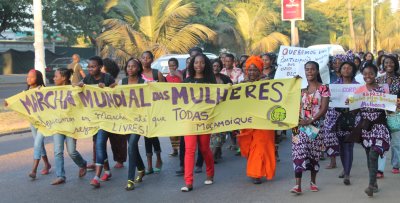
{"x":333,"y":48}
{"x":161,"y":64}
{"x":62,"y":63}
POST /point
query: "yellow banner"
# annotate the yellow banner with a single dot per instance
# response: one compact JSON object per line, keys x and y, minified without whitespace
{"x":161,"y":109}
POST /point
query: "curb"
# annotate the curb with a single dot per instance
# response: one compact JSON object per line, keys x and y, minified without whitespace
{"x":15,"y":132}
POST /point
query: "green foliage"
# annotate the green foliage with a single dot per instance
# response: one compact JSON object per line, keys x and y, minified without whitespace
{"x":325,"y":22}
{"x":254,"y":28}
{"x":161,"y":26}
{"x":73,"y":18}
{"x":15,"y":14}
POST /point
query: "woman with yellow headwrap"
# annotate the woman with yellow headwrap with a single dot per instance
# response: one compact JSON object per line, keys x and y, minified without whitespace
{"x":258,"y":146}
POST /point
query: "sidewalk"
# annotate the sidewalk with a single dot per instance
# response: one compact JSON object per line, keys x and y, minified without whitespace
{"x":11,"y":122}
{"x":12,"y":79}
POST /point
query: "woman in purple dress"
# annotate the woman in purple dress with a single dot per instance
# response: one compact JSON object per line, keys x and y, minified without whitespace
{"x":307,"y":147}
{"x":375,"y":136}
{"x":336,"y":128}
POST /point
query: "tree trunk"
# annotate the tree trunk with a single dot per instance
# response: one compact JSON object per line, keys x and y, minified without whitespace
{"x":38,"y":44}
{"x":352,"y":44}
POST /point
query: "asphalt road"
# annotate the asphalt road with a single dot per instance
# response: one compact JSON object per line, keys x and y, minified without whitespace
{"x":231,"y":183}
{"x":8,"y":90}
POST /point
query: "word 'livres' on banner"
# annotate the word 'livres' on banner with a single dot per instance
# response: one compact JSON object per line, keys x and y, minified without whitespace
{"x":291,"y":61}
{"x":161,"y":109}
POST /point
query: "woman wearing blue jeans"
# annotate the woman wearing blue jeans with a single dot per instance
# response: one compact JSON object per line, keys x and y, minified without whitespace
{"x":133,"y":70}
{"x":62,"y":77}
{"x":35,"y":80}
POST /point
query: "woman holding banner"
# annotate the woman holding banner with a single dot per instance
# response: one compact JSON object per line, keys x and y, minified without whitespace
{"x":307,"y":143}
{"x":371,"y":125}
{"x":392,"y":79}
{"x":258,"y":146}
{"x":34,"y":80}
{"x":338,"y":124}
{"x":200,"y":71}
{"x":62,"y":77}
{"x":151,"y":75}
{"x":133,"y":70}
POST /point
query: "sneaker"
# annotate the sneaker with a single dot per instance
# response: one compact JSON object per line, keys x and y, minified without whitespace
{"x":395,"y":171}
{"x":209,"y":181}
{"x":106,"y":177}
{"x":130,"y":185}
{"x":313,"y":187}
{"x":296,"y":189}
{"x":95,"y":183}
{"x":379,"y":175}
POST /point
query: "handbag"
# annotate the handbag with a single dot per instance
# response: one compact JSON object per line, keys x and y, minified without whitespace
{"x":310,"y":130}
{"x":346,"y":121}
{"x":393,"y":122}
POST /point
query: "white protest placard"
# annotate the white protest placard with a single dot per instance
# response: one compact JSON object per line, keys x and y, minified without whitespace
{"x":376,"y":100}
{"x":340,"y":93}
{"x":291,"y":62}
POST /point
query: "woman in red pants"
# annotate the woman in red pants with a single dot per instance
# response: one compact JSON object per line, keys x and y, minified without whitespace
{"x":200,"y":71}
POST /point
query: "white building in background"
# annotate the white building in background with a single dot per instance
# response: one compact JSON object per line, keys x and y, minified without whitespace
{"x":10,"y":35}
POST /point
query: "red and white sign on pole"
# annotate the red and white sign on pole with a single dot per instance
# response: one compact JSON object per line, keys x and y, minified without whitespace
{"x":292,"y":10}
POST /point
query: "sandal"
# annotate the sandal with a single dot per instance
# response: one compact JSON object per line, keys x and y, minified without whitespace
{"x":82,"y":172}
{"x":32,"y":175}
{"x":369,"y":191}
{"x":148,"y":172}
{"x":119,"y":165}
{"x":257,"y":181}
{"x":158,"y":170}
{"x":173,"y":153}
{"x":341,"y":175}
{"x":58,"y":181}
{"x":331,"y":166}
{"x":46,"y":171}
{"x":139,"y":177}
{"x":130,"y":185}
{"x":187,"y":188}
{"x":346,"y":181}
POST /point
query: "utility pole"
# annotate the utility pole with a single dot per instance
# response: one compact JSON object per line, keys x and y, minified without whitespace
{"x":372,"y":26}
{"x":39,"y":44}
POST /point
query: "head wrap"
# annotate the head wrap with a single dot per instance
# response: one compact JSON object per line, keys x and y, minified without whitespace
{"x":257,"y":61}
{"x":347,"y":57}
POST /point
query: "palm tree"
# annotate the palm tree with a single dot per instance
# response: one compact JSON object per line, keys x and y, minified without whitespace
{"x":254,"y":27}
{"x":161,"y":26}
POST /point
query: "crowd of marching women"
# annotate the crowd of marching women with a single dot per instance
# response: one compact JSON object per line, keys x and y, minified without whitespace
{"x":322,"y":130}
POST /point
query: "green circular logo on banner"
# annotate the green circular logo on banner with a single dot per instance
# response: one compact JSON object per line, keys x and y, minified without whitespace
{"x":276,"y":113}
